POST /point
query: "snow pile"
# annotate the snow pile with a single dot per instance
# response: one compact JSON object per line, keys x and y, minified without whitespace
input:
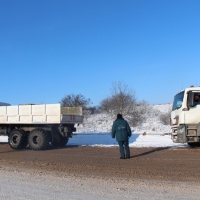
{"x":154,"y":141}
{"x":97,"y":123}
{"x":153,"y":125}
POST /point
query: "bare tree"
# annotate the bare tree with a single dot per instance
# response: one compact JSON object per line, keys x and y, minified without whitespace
{"x":165,"y":117}
{"x":122,"y":100}
{"x":73,"y":100}
{"x":138,"y":113}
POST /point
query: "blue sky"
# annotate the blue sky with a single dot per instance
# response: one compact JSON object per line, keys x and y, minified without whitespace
{"x":49,"y":48}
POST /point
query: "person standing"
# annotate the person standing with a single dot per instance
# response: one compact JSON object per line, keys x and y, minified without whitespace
{"x":121,"y":130}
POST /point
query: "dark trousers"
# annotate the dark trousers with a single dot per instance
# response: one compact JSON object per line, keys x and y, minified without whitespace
{"x":122,"y":145}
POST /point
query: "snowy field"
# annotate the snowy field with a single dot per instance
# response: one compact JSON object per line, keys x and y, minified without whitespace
{"x":96,"y":132}
{"x":137,"y":140}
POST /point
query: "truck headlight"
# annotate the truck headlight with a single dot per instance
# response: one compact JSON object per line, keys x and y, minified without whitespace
{"x":176,"y":120}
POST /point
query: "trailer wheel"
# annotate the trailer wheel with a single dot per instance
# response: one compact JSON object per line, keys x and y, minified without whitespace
{"x":17,"y":140}
{"x":61,"y":143}
{"x":38,"y":139}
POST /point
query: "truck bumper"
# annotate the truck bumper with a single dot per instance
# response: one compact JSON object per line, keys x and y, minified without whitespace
{"x":179,"y":134}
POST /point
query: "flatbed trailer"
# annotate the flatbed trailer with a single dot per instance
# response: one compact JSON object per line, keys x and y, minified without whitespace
{"x":37,"y":126}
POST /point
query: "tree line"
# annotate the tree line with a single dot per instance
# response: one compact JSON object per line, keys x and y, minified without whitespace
{"x":121,"y":100}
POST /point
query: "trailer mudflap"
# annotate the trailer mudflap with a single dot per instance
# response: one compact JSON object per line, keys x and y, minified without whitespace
{"x":181,"y":134}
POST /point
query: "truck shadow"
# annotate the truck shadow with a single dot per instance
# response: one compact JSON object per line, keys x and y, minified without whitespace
{"x":65,"y":147}
{"x":10,"y":149}
{"x":151,"y":151}
{"x":28,"y":149}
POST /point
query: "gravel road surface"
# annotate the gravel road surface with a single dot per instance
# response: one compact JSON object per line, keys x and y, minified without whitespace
{"x":98,"y":173}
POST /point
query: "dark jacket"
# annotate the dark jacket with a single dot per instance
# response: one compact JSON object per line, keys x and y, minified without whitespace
{"x":121,"y":130}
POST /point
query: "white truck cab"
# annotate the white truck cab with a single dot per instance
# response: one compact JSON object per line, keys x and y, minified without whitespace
{"x":185,"y":117}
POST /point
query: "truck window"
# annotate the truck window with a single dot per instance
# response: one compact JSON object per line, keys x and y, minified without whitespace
{"x":178,"y":100}
{"x":196,"y":99}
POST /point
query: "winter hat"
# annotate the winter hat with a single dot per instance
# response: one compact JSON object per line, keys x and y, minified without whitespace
{"x":119,"y":116}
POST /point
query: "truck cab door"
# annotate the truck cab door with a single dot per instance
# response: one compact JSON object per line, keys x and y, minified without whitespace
{"x":192,"y":115}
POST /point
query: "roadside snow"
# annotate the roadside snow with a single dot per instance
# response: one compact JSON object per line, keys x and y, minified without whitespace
{"x":4,"y":139}
{"x":137,"y":140}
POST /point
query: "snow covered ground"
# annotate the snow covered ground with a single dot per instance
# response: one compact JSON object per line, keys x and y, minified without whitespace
{"x":137,"y":140}
{"x":96,"y":132}
{"x":103,"y":123}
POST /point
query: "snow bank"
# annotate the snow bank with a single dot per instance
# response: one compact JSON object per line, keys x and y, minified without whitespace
{"x":103,"y":123}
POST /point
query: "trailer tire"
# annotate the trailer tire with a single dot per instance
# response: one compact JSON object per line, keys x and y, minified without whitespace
{"x":38,"y":139}
{"x":61,"y":143}
{"x":17,"y":140}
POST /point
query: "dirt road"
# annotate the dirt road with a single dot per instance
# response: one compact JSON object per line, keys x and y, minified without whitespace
{"x":98,"y":173}
{"x":170,"y":164}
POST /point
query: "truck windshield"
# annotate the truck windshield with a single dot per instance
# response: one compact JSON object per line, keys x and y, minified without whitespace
{"x":178,"y":100}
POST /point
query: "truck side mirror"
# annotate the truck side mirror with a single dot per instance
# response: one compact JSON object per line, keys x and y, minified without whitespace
{"x":190,"y":99}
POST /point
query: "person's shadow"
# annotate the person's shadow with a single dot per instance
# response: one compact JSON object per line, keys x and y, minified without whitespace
{"x":152,"y":151}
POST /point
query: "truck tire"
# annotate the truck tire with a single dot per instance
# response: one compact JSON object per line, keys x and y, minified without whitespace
{"x":38,"y":139}
{"x":17,"y":140}
{"x":61,"y":143}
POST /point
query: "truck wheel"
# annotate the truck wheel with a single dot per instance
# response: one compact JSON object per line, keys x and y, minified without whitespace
{"x":16,"y":140}
{"x":61,"y":143}
{"x":38,"y":139}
